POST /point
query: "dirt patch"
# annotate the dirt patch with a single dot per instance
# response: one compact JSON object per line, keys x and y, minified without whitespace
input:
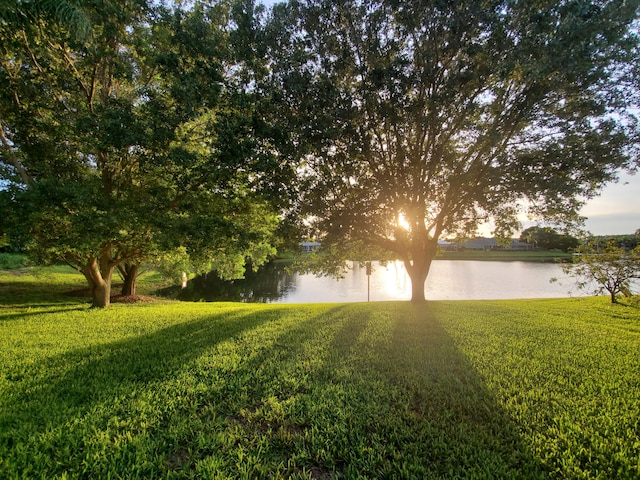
{"x":131,"y":299}
{"x":320,"y":473}
{"x":179,"y":459}
{"x":18,"y":272}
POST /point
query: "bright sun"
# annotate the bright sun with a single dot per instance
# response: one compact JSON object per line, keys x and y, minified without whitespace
{"x":403,"y":223}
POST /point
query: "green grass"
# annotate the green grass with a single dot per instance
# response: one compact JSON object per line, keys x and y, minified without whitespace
{"x":39,"y":285}
{"x":59,"y":284}
{"x":492,"y":389}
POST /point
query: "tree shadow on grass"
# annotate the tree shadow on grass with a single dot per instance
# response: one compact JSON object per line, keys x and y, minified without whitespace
{"x":29,"y":312}
{"x":458,"y":426}
{"x":39,"y":292}
{"x":421,"y":409}
{"x":337,"y":392}
{"x":45,"y":406}
{"x":384,"y":396}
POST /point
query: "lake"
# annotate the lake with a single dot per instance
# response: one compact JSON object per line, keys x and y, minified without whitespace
{"x":448,"y":280}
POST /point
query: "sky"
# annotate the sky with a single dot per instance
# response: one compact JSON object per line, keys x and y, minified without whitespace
{"x":617,"y":210}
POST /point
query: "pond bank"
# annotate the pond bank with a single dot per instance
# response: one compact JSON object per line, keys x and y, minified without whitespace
{"x":546,"y":256}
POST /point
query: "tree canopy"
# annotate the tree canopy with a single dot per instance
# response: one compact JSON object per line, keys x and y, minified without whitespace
{"x":136,"y":141}
{"x":420,"y":120}
{"x":135,"y":129}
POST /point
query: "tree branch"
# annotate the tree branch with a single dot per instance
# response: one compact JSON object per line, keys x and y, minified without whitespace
{"x":13,"y":158}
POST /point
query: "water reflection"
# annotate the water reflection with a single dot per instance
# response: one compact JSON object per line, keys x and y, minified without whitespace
{"x":448,"y":280}
{"x":269,"y":284}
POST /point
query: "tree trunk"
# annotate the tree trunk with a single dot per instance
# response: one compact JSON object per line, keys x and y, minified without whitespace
{"x":9,"y":153}
{"x":418,"y":271}
{"x":101,"y":294}
{"x":129,"y":273}
{"x":99,"y":279}
{"x":418,"y":274}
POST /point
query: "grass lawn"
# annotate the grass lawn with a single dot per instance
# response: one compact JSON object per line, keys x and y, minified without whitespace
{"x":478,"y":389}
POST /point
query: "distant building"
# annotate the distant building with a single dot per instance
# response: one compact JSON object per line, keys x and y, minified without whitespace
{"x":448,"y":246}
{"x":309,"y":247}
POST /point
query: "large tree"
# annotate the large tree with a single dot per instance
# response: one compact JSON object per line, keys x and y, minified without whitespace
{"x":133,"y":142}
{"x":420,"y":120}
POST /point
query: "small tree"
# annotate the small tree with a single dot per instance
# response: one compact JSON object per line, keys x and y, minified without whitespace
{"x":607,"y":267}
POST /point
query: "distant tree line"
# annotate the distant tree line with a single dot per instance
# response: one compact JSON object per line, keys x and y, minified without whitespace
{"x":626,"y":242}
{"x":547,"y":238}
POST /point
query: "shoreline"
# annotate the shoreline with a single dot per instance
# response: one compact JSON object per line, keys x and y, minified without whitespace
{"x":548,"y":256}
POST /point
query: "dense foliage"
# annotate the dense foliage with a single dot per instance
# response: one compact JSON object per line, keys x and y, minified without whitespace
{"x":627,"y":242}
{"x":420,"y":120}
{"x":136,"y":141}
{"x":195,"y":132}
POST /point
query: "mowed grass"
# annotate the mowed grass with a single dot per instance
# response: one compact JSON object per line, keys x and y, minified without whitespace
{"x":490,"y":389}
